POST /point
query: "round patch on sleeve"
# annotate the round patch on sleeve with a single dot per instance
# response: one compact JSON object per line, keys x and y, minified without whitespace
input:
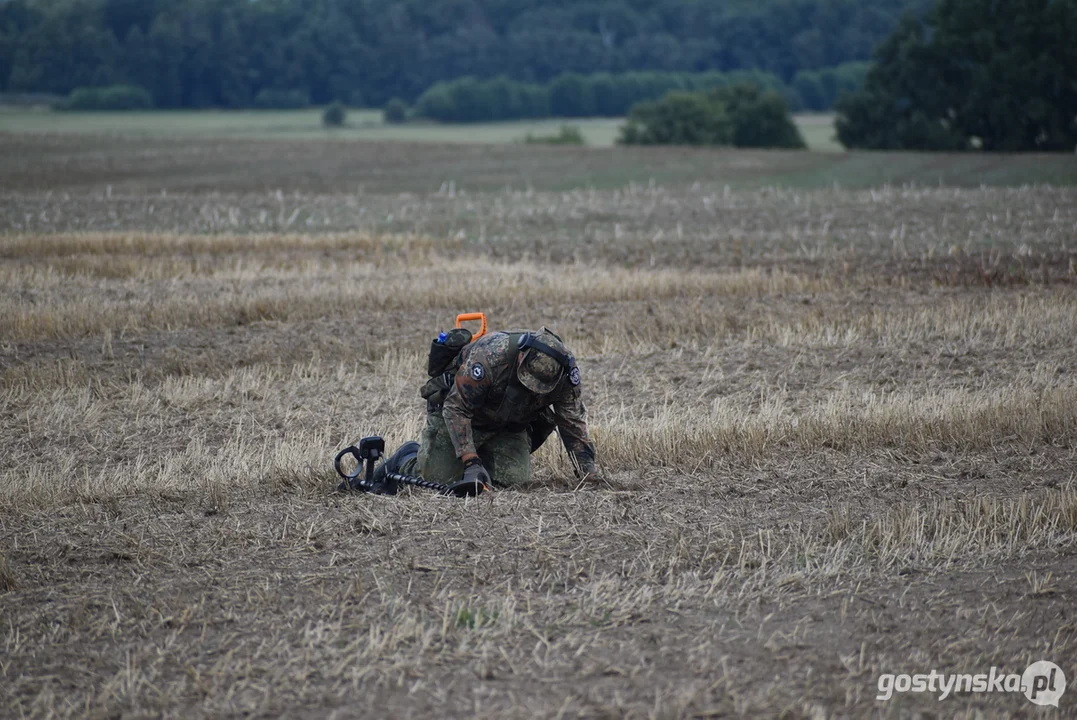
{"x":478,"y":372}
{"x":574,"y":376}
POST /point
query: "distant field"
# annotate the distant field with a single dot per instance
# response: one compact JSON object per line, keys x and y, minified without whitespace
{"x":362,"y":125}
{"x":818,"y":131}
{"x":129,"y":164}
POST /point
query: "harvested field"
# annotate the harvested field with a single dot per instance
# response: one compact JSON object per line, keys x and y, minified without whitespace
{"x":837,"y":429}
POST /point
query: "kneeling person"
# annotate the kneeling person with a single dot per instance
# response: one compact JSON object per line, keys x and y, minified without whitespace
{"x":508,"y":393}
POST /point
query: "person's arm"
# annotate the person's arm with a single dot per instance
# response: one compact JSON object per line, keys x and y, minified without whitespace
{"x":470,"y":388}
{"x":571,"y":415}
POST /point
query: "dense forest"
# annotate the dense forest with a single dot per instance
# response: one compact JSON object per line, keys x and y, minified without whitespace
{"x":228,"y":53}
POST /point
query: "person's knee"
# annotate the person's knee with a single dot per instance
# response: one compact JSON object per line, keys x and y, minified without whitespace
{"x":508,"y":458}
{"x":437,"y":461}
{"x":508,"y":475}
{"x":439,"y":465}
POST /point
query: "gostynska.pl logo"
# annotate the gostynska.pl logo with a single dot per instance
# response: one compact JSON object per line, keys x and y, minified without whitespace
{"x":1042,"y":683}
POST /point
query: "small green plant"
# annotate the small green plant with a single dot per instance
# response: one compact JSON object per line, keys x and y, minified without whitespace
{"x":567,"y":135}
{"x":334,"y":115}
{"x":395,"y":112}
{"x":472,"y":619}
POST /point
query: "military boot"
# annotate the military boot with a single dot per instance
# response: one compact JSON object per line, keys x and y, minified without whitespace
{"x":404,"y":454}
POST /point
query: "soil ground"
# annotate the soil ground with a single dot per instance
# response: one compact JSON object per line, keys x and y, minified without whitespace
{"x":836,"y":427}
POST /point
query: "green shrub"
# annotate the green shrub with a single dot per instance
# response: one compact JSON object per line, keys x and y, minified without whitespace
{"x":395,"y":112}
{"x":113,"y":97}
{"x":760,"y":118}
{"x":334,"y":115}
{"x":276,"y":99}
{"x":474,"y":100}
{"x":567,"y":135}
{"x":679,"y":118}
{"x":469,"y":100}
{"x":741,"y":115}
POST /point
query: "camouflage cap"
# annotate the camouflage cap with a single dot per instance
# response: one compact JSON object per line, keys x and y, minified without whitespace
{"x":538,"y":372}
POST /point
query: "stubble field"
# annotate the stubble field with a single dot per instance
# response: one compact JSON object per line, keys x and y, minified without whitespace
{"x":836,"y":428}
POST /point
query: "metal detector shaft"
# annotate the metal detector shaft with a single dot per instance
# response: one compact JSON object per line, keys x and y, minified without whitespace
{"x":456,"y":490}
{"x":414,"y":480}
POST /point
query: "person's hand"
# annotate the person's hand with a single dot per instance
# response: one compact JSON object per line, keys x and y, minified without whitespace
{"x":474,"y":481}
{"x":475,"y":472}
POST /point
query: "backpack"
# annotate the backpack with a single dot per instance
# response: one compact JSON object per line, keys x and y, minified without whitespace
{"x":446,"y":355}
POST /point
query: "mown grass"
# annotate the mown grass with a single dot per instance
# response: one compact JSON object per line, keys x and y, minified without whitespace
{"x":836,"y":430}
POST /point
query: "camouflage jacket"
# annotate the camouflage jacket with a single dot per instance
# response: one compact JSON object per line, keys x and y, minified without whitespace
{"x":486,"y":394}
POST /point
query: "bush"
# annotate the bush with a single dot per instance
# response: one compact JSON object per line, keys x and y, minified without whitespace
{"x":461,"y":100}
{"x":742,"y":115}
{"x":113,"y":97}
{"x":567,"y":135}
{"x":469,"y":100}
{"x":680,"y":118}
{"x":334,"y":115}
{"x":760,"y":118}
{"x":473,"y":100}
{"x":275,"y":99}
{"x":436,"y":103}
{"x":511,"y":100}
{"x":395,"y":112}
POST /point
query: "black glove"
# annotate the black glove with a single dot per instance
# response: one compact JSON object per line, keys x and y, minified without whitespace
{"x":474,"y":481}
{"x":475,"y":472}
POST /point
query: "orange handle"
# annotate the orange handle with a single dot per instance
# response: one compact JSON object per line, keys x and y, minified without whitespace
{"x":464,"y":317}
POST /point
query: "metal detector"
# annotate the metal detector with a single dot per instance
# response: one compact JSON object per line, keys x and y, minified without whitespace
{"x":366,"y":456}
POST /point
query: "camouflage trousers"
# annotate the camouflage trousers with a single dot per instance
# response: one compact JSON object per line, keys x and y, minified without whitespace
{"x":506,"y":455}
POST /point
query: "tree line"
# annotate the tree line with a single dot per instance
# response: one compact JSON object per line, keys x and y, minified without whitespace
{"x":241,"y":53}
{"x":471,"y":99}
